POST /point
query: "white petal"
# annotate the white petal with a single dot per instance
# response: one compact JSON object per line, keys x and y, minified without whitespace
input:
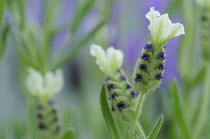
{"x":101,"y":58}
{"x":34,"y":82}
{"x":44,"y":86}
{"x":59,"y":81}
{"x":115,"y":58}
{"x":177,"y":29}
{"x":162,"y":29}
{"x":108,"y":61}
{"x":53,"y":82}
{"x":152,"y":15}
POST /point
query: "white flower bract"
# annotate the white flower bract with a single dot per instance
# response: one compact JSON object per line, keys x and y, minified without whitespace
{"x":108,"y":61}
{"x":161,"y":27}
{"x":44,"y":85}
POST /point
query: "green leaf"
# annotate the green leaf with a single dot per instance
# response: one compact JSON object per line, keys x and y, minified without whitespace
{"x":173,"y":6}
{"x":204,"y":107}
{"x":66,"y":118}
{"x":1,"y":10}
{"x":156,"y":130}
{"x":80,"y":14}
{"x":3,"y":38}
{"x":68,"y":134}
{"x":199,"y":77}
{"x":110,"y":121}
{"x":178,"y":111}
{"x":21,"y":9}
{"x":79,"y":45}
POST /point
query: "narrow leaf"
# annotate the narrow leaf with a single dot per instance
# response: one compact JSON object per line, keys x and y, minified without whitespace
{"x":3,"y":38}
{"x":204,"y":109}
{"x":81,"y":43}
{"x":1,"y":10}
{"x":68,"y":134}
{"x":178,"y":112}
{"x":110,"y":122}
{"x":156,"y":130}
{"x":21,"y":9}
{"x":80,"y":14}
{"x":199,"y":77}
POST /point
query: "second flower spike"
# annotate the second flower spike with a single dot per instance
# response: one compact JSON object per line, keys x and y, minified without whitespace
{"x":121,"y":94}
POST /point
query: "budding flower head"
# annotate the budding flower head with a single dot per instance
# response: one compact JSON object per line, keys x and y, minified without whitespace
{"x":109,"y":61}
{"x":44,"y":85}
{"x":161,"y":27}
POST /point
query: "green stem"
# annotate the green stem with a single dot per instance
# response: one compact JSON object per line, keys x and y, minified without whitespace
{"x":47,"y":33}
{"x":140,"y":130}
{"x":136,"y":116}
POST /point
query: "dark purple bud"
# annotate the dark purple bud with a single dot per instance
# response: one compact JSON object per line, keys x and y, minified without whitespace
{"x":58,"y":129}
{"x":145,"y":56}
{"x":114,"y":95}
{"x":161,"y":56}
{"x":161,"y":66}
{"x":113,"y":109}
{"x":39,"y":116}
{"x":148,"y":47}
{"x":39,"y":107}
{"x":159,"y":76}
{"x":51,"y":102}
{"x":128,"y":86}
{"x":107,"y":79}
{"x":54,"y":111}
{"x":138,"y":78}
{"x":118,"y":70}
{"x":133,"y":94}
{"x":110,"y":86}
{"x":143,"y":67}
{"x":164,"y":47}
{"x":203,"y":18}
{"x":42,"y":126}
{"x":55,"y":119}
{"x":121,"y":105}
{"x":122,"y":77}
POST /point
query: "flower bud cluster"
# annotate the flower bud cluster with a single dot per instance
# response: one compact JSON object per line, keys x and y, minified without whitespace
{"x":122,"y":96}
{"x":149,"y":69}
{"x":205,"y":34}
{"x":48,"y":118}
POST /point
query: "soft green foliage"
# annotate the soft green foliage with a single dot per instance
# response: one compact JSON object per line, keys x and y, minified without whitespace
{"x":3,"y":39}
{"x":68,"y":134}
{"x":204,"y":108}
{"x":156,"y":129}
{"x":178,"y":113}
{"x":110,"y":122}
{"x":2,"y":3}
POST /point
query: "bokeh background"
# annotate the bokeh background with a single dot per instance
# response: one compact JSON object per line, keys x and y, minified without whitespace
{"x":78,"y":102}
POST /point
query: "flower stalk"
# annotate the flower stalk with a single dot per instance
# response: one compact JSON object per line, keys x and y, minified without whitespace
{"x":136,"y":117}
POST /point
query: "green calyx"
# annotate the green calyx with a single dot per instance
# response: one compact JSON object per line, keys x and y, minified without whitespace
{"x":47,"y":118}
{"x":149,"y":69}
{"x":122,"y":96}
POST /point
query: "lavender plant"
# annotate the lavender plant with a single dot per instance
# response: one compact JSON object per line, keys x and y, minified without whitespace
{"x":127,"y":98}
{"x":41,"y":64}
